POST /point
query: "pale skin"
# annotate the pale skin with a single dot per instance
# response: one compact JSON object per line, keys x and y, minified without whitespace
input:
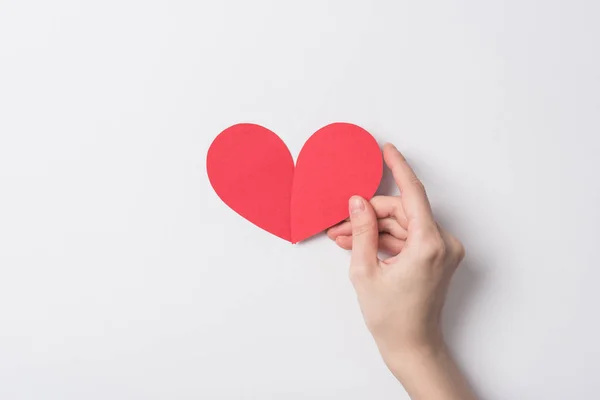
{"x":401,"y":297}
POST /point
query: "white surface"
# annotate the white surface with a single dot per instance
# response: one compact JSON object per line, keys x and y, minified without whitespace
{"x":124,"y":277}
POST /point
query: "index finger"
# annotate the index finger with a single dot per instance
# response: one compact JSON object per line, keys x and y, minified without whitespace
{"x":414,"y":199}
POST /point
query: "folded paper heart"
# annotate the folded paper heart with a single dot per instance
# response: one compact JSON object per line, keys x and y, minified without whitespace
{"x":252,"y":171}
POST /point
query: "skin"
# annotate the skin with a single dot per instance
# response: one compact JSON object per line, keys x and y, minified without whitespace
{"x":401,"y":297}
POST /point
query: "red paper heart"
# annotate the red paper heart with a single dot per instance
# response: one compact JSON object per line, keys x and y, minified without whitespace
{"x":252,"y":171}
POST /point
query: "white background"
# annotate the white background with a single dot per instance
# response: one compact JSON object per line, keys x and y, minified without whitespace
{"x":123,"y":276}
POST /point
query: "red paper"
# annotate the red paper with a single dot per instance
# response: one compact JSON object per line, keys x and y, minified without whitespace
{"x":252,"y":171}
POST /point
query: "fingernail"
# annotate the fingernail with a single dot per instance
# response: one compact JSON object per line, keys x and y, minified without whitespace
{"x":356,"y":205}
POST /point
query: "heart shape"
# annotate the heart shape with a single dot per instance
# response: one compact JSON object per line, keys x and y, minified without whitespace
{"x":252,"y":171}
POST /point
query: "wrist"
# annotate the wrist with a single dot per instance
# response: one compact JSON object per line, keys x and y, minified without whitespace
{"x":407,"y":359}
{"x":398,"y":350}
{"x":429,"y":372}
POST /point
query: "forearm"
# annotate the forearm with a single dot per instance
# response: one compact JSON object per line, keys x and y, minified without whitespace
{"x":430,"y":374}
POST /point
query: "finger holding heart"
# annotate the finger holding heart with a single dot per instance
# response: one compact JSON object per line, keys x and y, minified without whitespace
{"x":391,"y":222}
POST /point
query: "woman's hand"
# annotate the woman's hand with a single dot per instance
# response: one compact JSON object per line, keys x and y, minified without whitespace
{"x":401,"y":297}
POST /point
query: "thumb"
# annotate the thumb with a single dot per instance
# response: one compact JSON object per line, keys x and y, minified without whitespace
{"x":365,"y":236}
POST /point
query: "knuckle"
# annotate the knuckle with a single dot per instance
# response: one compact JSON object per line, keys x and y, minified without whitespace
{"x":364,"y":228}
{"x":456,"y":250}
{"x":417,"y":182}
{"x":396,"y":207}
{"x":434,"y":247}
{"x":459,"y":249}
{"x":419,"y":186}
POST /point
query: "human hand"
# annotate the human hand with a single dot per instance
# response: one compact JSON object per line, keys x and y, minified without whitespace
{"x":401,"y":297}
